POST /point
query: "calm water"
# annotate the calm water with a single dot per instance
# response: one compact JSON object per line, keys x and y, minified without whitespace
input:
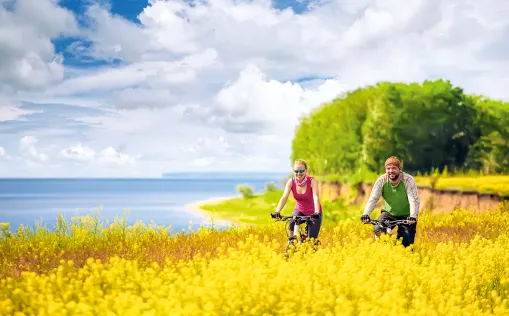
{"x":162,"y":201}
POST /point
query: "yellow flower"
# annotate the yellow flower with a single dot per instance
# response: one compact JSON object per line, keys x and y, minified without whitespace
{"x":458,"y":266}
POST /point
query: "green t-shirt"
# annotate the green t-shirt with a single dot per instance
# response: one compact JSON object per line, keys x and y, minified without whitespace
{"x":396,"y":199}
{"x":401,"y":200}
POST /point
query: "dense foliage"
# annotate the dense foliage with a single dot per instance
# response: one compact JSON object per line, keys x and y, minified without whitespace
{"x":432,"y":125}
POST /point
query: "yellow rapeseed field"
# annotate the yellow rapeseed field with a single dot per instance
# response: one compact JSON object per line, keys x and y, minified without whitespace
{"x":459,"y":266}
{"x":498,"y":184}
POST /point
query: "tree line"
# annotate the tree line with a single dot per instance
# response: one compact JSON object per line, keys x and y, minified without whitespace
{"x":429,"y":126}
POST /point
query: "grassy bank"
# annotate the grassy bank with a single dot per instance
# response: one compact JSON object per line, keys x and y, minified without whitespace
{"x":254,"y":210}
{"x":89,"y":269}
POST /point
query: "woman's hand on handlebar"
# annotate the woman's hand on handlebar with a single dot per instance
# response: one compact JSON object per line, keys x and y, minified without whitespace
{"x":275,"y":215}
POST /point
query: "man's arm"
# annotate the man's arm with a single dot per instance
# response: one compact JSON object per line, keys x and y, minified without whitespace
{"x":375,"y":194}
{"x":413,"y":195}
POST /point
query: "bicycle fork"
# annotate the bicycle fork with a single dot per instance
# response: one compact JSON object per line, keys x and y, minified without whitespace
{"x":294,"y":236}
{"x":386,"y":230}
{"x":300,"y":240}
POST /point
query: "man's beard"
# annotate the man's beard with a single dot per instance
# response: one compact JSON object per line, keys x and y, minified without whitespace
{"x":394,"y":176}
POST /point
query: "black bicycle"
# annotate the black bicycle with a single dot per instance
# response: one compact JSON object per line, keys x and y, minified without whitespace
{"x":300,"y":231}
{"x":386,"y":225}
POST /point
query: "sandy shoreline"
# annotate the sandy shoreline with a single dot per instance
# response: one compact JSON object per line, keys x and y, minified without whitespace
{"x":195,"y":207}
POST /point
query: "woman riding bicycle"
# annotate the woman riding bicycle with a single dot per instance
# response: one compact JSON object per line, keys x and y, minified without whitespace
{"x":305,"y":192}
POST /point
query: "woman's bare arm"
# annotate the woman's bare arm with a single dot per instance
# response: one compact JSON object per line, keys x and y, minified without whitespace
{"x":284,"y":198}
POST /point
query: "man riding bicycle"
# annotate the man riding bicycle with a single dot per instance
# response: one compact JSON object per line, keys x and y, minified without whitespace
{"x":401,"y":200}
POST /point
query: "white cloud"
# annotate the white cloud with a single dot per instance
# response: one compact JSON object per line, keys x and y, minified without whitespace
{"x":157,"y":76}
{"x":324,"y":41}
{"x":79,"y":153}
{"x":4,"y":155}
{"x":11,"y":112}
{"x":254,"y":100}
{"x":208,"y":85}
{"x":357,"y":42}
{"x":238,"y":32}
{"x":108,"y":156}
{"x":111,"y":156}
{"x":165,"y":139}
{"x":27,"y":56}
{"x":28,"y":148}
{"x":118,"y":37}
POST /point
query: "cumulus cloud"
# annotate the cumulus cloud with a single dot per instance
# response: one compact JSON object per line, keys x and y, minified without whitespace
{"x":79,"y":153}
{"x":4,"y":155}
{"x":109,"y":155}
{"x":27,"y":56}
{"x":366,"y":40}
{"x":112,"y":37}
{"x":254,"y":103}
{"x":29,"y":150}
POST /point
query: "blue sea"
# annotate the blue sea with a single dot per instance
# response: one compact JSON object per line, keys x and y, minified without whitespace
{"x":160,"y":201}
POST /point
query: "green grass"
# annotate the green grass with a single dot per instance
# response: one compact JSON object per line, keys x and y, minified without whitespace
{"x":255,"y":210}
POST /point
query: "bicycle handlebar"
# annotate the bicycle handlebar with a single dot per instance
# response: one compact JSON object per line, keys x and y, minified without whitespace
{"x":293,"y":217}
{"x":387,"y":222}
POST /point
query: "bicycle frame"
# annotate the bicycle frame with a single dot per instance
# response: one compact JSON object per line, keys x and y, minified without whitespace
{"x":298,"y":234}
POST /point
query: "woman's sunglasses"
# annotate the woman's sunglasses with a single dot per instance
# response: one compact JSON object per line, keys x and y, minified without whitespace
{"x":299,"y":171}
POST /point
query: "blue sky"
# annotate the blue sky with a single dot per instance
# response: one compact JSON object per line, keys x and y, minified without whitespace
{"x":127,"y":9}
{"x":127,"y":88}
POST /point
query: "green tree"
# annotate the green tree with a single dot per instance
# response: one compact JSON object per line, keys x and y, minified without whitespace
{"x":491,"y":153}
{"x":245,"y":190}
{"x":429,"y":125}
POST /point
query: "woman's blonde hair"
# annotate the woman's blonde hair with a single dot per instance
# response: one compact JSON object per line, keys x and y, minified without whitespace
{"x":301,"y":162}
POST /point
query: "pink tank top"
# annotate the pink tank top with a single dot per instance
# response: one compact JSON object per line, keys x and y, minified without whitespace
{"x":304,"y":201}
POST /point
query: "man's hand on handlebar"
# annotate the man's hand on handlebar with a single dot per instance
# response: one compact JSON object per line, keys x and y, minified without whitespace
{"x":411,"y":220}
{"x":365,"y":218}
{"x":315,"y":215}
